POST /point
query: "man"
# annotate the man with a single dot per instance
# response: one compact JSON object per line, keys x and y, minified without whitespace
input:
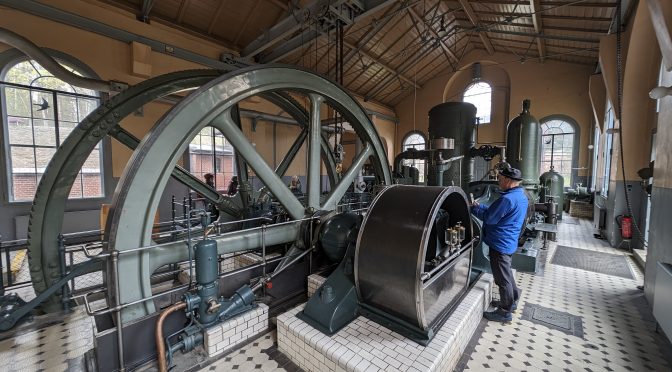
{"x":502,"y":223}
{"x":233,"y":186}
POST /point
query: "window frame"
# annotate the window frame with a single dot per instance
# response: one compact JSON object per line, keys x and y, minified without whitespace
{"x":576,"y":143}
{"x":423,"y":172}
{"x":472,"y":84}
{"x":215,"y":158}
{"x":9,"y":59}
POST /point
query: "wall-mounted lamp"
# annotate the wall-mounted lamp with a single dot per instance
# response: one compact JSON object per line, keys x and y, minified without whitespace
{"x":660,"y":92}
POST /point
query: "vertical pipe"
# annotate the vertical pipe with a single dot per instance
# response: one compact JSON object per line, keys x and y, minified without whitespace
{"x":9,"y":268}
{"x":2,"y":280}
{"x":173,"y":214}
{"x":263,"y":254}
{"x":117,"y":300}
{"x":61,"y":261}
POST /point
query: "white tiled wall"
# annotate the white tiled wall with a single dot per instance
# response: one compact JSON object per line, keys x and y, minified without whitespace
{"x":364,"y":345}
{"x":315,"y":281}
{"x":234,"y":331}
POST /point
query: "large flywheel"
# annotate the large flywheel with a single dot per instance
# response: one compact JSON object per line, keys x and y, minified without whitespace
{"x":154,"y":161}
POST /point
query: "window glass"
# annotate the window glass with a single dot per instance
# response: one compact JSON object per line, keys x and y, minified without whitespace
{"x":415,"y":141}
{"x":210,"y":152}
{"x":479,"y":94}
{"x":557,"y":140}
{"x":40,"y":111}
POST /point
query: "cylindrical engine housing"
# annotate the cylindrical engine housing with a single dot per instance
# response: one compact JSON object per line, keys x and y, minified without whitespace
{"x":523,"y":147}
{"x":456,"y":120}
{"x":552,"y":185}
{"x":393,"y":251}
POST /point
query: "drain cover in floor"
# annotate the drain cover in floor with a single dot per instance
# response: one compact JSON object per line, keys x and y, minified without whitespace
{"x":564,"y":322}
{"x":598,"y":262}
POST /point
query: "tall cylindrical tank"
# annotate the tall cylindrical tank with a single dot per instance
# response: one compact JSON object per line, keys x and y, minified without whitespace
{"x":456,"y":120}
{"x":552,"y":185}
{"x":523,"y":147}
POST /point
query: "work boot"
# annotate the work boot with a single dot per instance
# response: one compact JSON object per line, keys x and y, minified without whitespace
{"x":496,"y":303}
{"x":498,"y":315}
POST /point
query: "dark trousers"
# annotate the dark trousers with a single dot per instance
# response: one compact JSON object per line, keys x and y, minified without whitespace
{"x":501,"y":269}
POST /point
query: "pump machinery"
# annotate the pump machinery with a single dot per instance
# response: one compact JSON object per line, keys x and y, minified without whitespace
{"x":398,"y":252}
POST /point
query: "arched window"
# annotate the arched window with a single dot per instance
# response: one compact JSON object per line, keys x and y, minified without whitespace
{"x":559,"y":142}
{"x":479,"y":94}
{"x":39,"y":111}
{"x":415,"y":140}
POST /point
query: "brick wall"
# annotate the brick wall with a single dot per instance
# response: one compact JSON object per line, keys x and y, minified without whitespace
{"x":25,"y":185}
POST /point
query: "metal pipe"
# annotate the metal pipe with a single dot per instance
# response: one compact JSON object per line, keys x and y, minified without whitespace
{"x":33,"y":51}
{"x":117,"y":300}
{"x":160,"y":347}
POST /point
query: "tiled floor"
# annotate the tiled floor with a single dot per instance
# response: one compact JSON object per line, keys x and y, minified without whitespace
{"x":619,"y":331}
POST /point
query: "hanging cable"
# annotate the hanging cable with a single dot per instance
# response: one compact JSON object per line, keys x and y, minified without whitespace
{"x":619,"y":95}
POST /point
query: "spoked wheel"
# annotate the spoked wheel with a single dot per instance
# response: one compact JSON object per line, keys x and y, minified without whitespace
{"x":144,"y":180}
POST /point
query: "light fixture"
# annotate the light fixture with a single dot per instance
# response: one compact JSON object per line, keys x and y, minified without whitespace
{"x":660,"y":92}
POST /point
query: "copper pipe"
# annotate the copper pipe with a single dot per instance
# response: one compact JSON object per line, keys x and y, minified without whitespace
{"x":160,"y":346}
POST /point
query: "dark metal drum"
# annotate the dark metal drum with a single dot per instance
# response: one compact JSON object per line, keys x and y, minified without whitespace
{"x":400,"y":278}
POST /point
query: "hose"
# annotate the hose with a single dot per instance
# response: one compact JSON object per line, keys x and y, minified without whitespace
{"x":160,"y":347}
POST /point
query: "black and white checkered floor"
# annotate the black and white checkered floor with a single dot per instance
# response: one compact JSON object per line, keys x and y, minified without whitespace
{"x":614,"y":319}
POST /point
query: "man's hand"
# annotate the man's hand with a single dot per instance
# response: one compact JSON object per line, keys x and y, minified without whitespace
{"x":475,"y":204}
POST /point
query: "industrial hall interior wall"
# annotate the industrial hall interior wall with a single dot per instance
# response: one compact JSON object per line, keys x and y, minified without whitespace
{"x":555,"y":88}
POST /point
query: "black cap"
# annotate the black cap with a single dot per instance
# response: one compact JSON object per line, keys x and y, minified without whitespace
{"x":512,"y":173}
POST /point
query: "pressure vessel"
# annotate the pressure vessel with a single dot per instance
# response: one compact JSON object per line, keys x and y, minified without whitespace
{"x":456,"y":120}
{"x":552,"y":185}
{"x":523,"y":147}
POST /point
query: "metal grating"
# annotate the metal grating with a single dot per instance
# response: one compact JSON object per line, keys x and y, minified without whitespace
{"x":598,"y":262}
{"x":564,"y":322}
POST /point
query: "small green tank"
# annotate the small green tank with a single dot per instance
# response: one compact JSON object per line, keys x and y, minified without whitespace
{"x":552,"y":185}
{"x":523,"y":147}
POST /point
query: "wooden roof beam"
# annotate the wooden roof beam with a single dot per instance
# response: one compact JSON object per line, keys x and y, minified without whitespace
{"x":183,"y":9}
{"x":381,"y":63}
{"x":550,"y":3}
{"x":538,"y":28}
{"x":474,"y":21}
{"x":443,"y":45}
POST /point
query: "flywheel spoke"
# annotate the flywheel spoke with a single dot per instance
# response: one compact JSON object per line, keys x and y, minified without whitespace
{"x":342,"y":187}
{"x":243,"y":147}
{"x":314,"y":164}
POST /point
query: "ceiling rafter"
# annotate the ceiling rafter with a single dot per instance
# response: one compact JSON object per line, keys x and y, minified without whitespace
{"x":295,"y":22}
{"x":376,"y":27}
{"x":183,"y":9}
{"x":215,"y":17}
{"x":545,"y":36}
{"x":543,"y":16}
{"x":248,"y":17}
{"x":401,"y":36}
{"x":549,"y":3}
{"x":475,"y":22}
{"x":535,"y":7}
{"x":546,"y":27}
{"x":449,"y":53}
{"x":549,"y":56}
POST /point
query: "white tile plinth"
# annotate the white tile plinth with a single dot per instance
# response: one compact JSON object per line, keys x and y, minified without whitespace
{"x":315,"y":281}
{"x":236,"y":330}
{"x":364,"y":345}
{"x":248,"y":259}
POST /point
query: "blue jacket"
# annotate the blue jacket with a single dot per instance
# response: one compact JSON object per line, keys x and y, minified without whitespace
{"x":503,"y":220}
